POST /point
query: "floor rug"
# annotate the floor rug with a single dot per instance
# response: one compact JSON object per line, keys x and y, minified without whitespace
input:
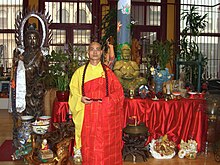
{"x":6,"y":150}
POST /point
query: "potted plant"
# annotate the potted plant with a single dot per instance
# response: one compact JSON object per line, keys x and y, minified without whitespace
{"x":163,"y":52}
{"x":57,"y":76}
{"x":190,"y":57}
{"x":62,"y":85}
{"x":61,"y":66}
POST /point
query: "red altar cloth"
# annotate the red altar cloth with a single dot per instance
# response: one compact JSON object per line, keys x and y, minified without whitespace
{"x":59,"y":112}
{"x":179,"y":119}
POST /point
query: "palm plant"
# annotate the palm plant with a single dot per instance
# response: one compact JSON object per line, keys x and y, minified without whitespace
{"x":163,"y":52}
{"x":190,"y":56}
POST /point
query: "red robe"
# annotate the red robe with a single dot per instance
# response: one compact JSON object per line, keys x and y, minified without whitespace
{"x":102,"y":125}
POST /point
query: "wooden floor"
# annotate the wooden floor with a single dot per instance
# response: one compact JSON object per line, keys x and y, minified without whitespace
{"x":6,"y":133}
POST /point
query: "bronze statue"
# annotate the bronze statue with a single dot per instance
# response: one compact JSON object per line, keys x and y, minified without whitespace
{"x":128,"y":71}
{"x":29,"y":68}
{"x":35,"y":68}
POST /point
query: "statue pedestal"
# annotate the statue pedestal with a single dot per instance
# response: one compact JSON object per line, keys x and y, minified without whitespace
{"x":135,"y":138}
{"x":46,"y":154}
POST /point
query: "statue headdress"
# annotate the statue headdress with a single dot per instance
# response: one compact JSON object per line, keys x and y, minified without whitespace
{"x":44,"y":19}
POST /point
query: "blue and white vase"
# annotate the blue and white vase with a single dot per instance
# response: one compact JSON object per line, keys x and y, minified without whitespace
{"x":160,"y":77}
{"x":25,"y":130}
{"x":23,"y":138}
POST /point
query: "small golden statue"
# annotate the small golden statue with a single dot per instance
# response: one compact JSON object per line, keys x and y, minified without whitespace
{"x":128,"y":71}
{"x":45,"y":152}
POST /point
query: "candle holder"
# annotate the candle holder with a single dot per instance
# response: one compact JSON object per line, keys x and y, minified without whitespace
{"x":131,"y":93}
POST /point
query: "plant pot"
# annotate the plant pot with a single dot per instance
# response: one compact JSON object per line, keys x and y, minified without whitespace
{"x":62,"y":96}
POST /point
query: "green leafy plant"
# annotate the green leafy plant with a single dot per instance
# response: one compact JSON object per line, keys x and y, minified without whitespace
{"x":62,"y":65}
{"x":194,"y":25}
{"x":57,"y":62}
{"x":62,"y":83}
{"x":77,"y":57}
{"x":189,"y":49}
{"x":163,"y":52}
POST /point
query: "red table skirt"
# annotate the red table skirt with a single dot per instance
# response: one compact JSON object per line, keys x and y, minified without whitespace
{"x":179,"y":119}
{"x":59,"y":112}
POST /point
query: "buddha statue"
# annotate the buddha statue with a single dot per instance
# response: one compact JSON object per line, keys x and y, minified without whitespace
{"x":128,"y":71}
{"x":31,"y":67}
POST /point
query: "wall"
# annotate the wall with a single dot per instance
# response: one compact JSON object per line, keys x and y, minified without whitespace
{"x":170,"y":19}
{"x":171,"y":26}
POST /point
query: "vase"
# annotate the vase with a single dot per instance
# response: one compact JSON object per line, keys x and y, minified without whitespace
{"x":62,"y":96}
{"x":161,"y":77}
{"x":23,"y":145}
{"x":25,"y":130}
{"x":159,"y":86}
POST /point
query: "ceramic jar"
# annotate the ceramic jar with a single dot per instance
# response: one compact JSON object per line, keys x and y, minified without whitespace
{"x":23,"y":144}
{"x":160,"y":77}
{"x":25,"y":130}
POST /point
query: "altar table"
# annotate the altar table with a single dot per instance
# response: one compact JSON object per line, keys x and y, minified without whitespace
{"x":180,"y":119}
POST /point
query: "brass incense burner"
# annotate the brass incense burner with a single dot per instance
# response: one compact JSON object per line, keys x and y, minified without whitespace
{"x":135,"y":138}
{"x":136,"y":130}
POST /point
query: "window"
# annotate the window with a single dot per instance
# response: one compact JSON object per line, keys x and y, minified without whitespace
{"x":8,"y":13}
{"x":150,"y":25}
{"x":82,"y":16}
{"x":65,"y":16}
{"x":209,"y":40}
{"x":72,"y":22}
{"x":3,"y":19}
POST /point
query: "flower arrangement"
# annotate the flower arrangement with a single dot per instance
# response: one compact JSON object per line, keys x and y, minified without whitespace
{"x":162,"y":148}
{"x":187,"y":149}
{"x":160,"y":76}
{"x":163,"y":52}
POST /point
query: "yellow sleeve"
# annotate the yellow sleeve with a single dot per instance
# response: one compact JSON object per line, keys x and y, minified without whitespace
{"x":75,"y":104}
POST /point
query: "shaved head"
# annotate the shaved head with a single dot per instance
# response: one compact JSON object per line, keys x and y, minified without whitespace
{"x":94,"y":43}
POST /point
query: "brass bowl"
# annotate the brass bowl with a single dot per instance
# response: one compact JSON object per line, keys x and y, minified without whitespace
{"x":136,"y":130}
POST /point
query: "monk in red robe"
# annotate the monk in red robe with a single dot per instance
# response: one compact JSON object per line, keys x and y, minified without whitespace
{"x":96,"y":101}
